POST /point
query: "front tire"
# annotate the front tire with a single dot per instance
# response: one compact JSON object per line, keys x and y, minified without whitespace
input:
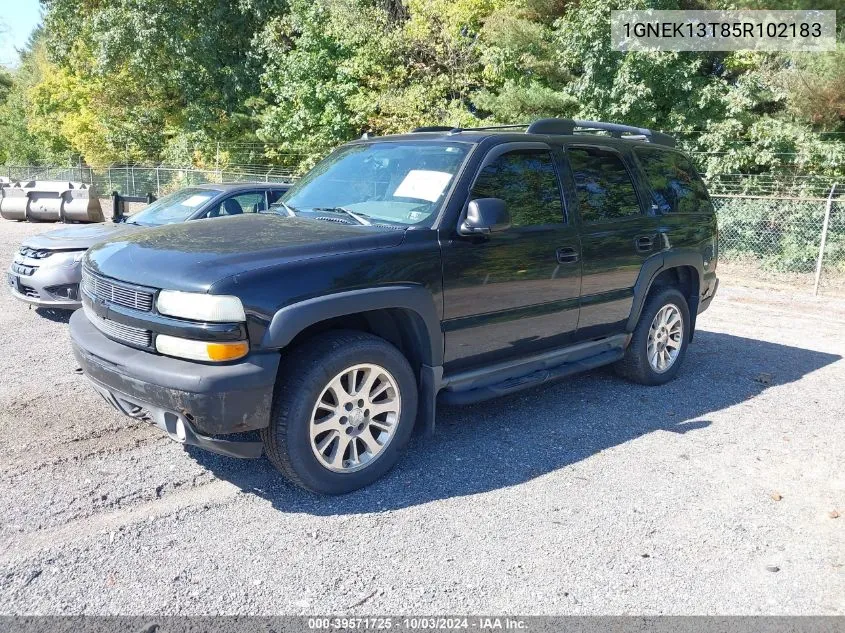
{"x":344,"y":408}
{"x":659,"y":342}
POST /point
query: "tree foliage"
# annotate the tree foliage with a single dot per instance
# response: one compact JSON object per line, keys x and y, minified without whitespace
{"x":241,"y":81}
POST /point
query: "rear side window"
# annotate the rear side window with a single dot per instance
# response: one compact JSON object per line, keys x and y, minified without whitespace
{"x":675,"y":186}
{"x":603,"y":185}
{"x":527,"y":181}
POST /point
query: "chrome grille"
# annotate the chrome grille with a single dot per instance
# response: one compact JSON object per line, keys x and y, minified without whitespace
{"x":112,"y":292}
{"x":23,"y":270}
{"x":34,"y":253}
{"x":119,"y":331}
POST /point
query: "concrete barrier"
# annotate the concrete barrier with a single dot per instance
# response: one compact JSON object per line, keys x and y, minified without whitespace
{"x":82,"y":205}
{"x":46,"y":199}
{"x":15,"y":200}
{"x":50,"y":201}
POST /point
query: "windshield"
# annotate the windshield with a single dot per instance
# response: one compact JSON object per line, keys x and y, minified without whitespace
{"x":175,"y":207}
{"x":400,"y":183}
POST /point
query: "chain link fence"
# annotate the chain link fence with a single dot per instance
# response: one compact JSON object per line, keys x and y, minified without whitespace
{"x":139,"y":181}
{"x":784,"y":239}
{"x":768,"y":238}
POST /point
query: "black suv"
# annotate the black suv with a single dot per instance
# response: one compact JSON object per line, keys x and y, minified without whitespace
{"x":446,"y":264}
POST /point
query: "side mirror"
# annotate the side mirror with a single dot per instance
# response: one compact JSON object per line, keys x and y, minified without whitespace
{"x":486,"y":215}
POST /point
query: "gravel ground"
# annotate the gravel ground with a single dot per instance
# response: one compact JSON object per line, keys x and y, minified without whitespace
{"x":715,"y":494}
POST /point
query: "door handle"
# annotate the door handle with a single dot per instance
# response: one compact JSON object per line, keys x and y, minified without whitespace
{"x":566,"y":255}
{"x":644,"y":243}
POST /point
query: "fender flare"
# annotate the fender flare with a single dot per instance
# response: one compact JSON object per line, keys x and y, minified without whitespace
{"x":655,"y":265}
{"x":292,"y":319}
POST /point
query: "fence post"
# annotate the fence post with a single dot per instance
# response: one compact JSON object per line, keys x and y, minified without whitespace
{"x":824,"y":239}
{"x":116,"y":207}
{"x":158,"y":180}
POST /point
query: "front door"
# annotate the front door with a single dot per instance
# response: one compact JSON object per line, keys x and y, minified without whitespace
{"x":515,"y":292}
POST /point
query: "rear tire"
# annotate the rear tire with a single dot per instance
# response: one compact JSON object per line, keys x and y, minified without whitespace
{"x":343,"y":411}
{"x":659,"y":342}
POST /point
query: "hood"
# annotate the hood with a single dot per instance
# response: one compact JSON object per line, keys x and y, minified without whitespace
{"x":192,"y":256}
{"x":76,"y":237}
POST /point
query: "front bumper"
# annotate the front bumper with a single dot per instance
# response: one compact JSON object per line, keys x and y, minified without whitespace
{"x":32,"y":288}
{"x":190,"y":401}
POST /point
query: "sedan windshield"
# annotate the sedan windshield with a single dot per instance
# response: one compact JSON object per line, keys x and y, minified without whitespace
{"x":394,"y":182}
{"x":175,"y":207}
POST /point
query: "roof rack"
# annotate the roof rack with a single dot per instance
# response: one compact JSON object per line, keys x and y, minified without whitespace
{"x":617,"y":130}
{"x":455,"y":130}
{"x":434,"y":128}
{"x":568,"y":127}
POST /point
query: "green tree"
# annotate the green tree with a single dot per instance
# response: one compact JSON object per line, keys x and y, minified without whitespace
{"x":166,"y":79}
{"x":24,"y":139}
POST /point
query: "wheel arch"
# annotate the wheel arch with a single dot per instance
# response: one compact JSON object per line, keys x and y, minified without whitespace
{"x":404,"y":315}
{"x":682,"y":269}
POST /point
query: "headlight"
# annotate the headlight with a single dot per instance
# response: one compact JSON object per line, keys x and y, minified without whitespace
{"x":65,"y":259}
{"x":200,"y":307}
{"x":201,"y":350}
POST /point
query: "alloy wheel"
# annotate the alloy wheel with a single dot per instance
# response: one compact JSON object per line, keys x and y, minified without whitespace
{"x":355,"y":418}
{"x":665,"y":338}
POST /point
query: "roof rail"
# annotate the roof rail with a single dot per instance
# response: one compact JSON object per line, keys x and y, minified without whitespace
{"x":433,"y":128}
{"x":567,"y":127}
{"x":617,"y":130}
{"x":455,"y":130}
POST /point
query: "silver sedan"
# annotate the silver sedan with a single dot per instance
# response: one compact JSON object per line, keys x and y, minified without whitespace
{"x":47,"y":268}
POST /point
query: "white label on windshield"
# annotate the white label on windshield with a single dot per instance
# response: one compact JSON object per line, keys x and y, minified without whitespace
{"x":195,"y":200}
{"x":423,"y":184}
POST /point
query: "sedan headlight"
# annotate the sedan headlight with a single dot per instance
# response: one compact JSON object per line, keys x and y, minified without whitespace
{"x":198,"y":306}
{"x":64,"y":259}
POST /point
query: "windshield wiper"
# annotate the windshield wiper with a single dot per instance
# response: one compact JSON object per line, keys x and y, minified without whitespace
{"x":361,"y":218}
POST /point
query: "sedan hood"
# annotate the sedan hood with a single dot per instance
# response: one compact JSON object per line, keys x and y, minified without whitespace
{"x":194,"y":255}
{"x":77,"y":237}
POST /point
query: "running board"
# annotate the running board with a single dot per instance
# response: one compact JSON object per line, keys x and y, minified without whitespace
{"x":507,"y":378}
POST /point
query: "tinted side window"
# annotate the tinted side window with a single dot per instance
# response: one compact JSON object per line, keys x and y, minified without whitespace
{"x":603,"y":185}
{"x":527,"y":181}
{"x":675,"y":187}
{"x":249,"y":202}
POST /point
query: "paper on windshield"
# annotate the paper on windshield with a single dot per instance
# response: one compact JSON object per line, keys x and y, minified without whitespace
{"x":423,"y":184}
{"x":195,"y":200}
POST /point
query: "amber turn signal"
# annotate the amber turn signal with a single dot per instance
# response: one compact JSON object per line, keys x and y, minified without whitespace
{"x":227,"y":351}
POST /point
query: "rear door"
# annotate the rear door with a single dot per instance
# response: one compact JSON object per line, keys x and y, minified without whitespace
{"x":617,"y":235}
{"x":515,"y":292}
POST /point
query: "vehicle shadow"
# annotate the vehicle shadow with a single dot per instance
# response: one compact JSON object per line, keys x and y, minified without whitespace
{"x":58,"y":316}
{"x":514,"y":439}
